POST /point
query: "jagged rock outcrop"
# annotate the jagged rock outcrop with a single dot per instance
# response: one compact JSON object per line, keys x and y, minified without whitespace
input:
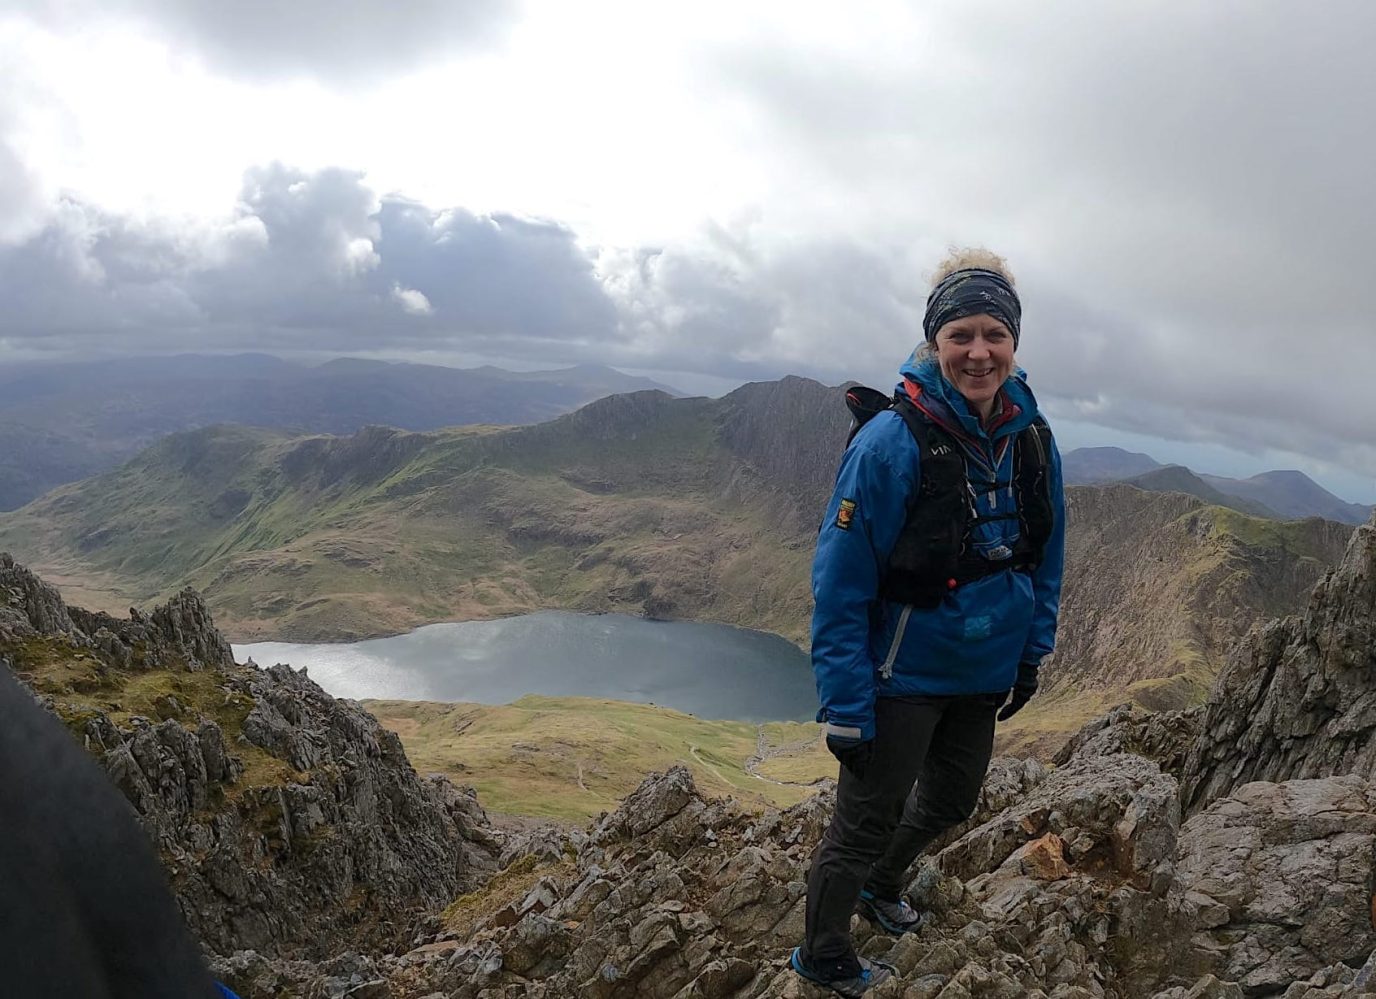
{"x":1164,"y":737}
{"x":1282,"y":876}
{"x":290,"y":822}
{"x":180,"y":630}
{"x":1085,"y":886}
{"x":29,"y":606}
{"x":1298,"y":699}
{"x":344,"y":843}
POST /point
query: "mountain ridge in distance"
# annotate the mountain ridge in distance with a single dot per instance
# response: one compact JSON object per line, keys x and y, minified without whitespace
{"x":319,"y":537}
{"x":1287,"y":494}
{"x":1179,"y":479}
{"x":61,"y":422}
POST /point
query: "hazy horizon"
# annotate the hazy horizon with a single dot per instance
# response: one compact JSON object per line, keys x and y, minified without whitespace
{"x":1205,"y":458}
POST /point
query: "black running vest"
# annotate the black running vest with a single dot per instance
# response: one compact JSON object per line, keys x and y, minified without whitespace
{"x":932,"y":557}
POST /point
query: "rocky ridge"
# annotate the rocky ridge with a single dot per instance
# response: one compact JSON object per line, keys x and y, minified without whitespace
{"x":1098,"y":878}
{"x":1164,"y":737}
{"x":1089,"y":886}
{"x":1083,"y":881}
{"x":1161,"y":586}
{"x":1297,"y":699}
{"x":289,"y":822}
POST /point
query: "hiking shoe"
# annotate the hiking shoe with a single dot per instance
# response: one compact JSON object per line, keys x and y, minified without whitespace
{"x":851,"y":977}
{"x":895,"y":918}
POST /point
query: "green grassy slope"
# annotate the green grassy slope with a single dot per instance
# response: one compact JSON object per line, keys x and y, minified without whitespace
{"x":625,"y":505}
{"x":80,"y":684}
{"x":681,"y":508}
{"x":571,"y":758}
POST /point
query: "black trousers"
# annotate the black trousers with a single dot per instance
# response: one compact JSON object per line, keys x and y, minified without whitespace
{"x":930,"y":758}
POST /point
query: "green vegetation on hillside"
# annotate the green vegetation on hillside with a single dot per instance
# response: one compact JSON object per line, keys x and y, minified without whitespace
{"x":640,"y":504}
{"x":1300,"y":538}
{"x":319,"y":537}
{"x":82,"y":685}
{"x":571,"y":758}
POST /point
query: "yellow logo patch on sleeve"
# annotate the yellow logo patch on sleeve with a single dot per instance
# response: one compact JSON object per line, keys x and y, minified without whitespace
{"x":846,"y":514}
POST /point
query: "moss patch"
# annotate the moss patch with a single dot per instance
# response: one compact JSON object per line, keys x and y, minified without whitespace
{"x":82,"y":687}
{"x":505,"y":888}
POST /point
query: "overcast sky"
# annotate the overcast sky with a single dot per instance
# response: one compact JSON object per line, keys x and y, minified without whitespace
{"x":719,"y":192}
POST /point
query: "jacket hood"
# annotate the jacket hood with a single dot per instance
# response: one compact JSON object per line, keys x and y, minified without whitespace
{"x":949,"y":406}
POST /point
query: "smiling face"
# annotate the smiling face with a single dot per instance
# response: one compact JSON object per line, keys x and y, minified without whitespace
{"x":976,"y":356}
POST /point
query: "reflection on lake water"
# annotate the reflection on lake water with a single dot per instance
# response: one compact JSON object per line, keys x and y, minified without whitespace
{"x":710,"y":670}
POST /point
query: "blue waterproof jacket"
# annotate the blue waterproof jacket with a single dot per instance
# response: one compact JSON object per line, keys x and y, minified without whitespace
{"x":864,"y":647}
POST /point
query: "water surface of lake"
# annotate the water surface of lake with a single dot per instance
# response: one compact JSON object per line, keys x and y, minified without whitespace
{"x":710,"y":670}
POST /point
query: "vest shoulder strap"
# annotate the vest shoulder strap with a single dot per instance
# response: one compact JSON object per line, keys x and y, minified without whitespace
{"x":1032,"y":483}
{"x":864,"y":404}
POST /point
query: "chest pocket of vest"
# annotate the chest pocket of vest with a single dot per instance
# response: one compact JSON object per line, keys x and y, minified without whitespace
{"x":926,"y":557}
{"x":932,"y":555}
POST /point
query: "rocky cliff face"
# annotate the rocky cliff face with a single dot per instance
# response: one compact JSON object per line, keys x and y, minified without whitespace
{"x":1087,"y":886}
{"x":1298,"y":698}
{"x":1164,"y":737}
{"x":298,"y":840}
{"x":1160,"y":586}
{"x":791,"y":433}
{"x":290,"y":822}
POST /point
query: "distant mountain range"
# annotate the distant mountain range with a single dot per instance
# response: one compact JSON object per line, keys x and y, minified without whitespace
{"x":1280,"y":495}
{"x":64,"y":422}
{"x":701,"y":509}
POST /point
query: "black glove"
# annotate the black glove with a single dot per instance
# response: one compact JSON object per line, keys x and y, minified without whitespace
{"x":853,"y":754}
{"x":1023,"y":689}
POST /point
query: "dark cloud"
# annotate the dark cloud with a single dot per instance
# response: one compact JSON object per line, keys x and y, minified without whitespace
{"x":89,"y":274}
{"x":499,"y":277}
{"x":307,"y":262}
{"x":344,"y":41}
{"x":1181,"y":188}
{"x":739,"y":302}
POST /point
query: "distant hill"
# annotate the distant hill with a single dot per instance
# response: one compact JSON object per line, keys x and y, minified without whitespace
{"x":1179,"y":479}
{"x":1292,"y":494}
{"x":1087,"y":466}
{"x":63,"y":422}
{"x":637,"y":502}
{"x":702,"y":509}
{"x":1159,"y":588}
{"x":1284,"y":494}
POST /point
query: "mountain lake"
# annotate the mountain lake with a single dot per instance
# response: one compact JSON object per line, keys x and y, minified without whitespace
{"x":708,"y":670}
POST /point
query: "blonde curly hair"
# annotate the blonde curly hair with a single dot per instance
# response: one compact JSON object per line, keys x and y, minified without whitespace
{"x":959,"y":258}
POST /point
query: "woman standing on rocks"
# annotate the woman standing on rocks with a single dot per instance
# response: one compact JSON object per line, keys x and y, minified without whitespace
{"x":937,"y":583}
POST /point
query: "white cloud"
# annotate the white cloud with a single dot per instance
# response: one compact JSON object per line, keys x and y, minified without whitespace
{"x":1181,"y":188}
{"x":412,"y":301}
